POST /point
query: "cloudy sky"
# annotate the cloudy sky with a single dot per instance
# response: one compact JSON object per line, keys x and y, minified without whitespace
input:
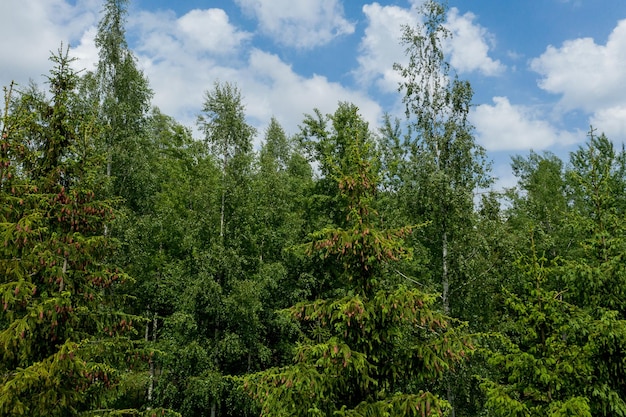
{"x":543,"y":71}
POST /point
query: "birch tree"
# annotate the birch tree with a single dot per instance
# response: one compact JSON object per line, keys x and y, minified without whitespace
{"x":444,"y":165}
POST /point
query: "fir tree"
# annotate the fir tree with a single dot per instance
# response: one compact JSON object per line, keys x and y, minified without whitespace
{"x":375,"y":347}
{"x":66,"y":345}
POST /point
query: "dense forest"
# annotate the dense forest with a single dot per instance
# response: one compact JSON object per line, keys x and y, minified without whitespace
{"x":341,"y":270}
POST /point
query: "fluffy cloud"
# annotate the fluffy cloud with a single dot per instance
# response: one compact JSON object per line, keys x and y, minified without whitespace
{"x":165,"y":40}
{"x":85,"y":51}
{"x":202,"y":32}
{"x":380,"y":48}
{"x":590,"y":77}
{"x":269,"y":87}
{"x":470,"y":44}
{"x":181,"y":68}
{"x":32,"y":29}
{"x":611,"y":121}
{"x":586,"y":74}
{"x":503,"y":126}
{"x":210,"y":30}
{"x":183,"y":56}
{"x":273,"y":88}
{"x":302,"y":23}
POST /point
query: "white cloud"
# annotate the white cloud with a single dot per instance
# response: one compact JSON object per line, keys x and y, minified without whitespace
{"x":32,"y":29}
{"x":380,"y":47}
{"x":159,"y":35}
{"x":196,"y":32}
{"x":174,"y":42}
{"x":273,"y":88}
{"x":210,"y":30}
{"x":470,"y":44}
{"x":182,"y":56}
{"x":503,"y":126}
{"x":179,"y":74}
{"x":590,"y":77}
{"x":85,"y":51}
{"x":269,"y":87}
{"x":611,"y":121}
{"x":301,"y":23}
{"x":587,"y":75}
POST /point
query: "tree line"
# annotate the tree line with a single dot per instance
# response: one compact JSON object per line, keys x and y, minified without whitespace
{"x":342,"y":270}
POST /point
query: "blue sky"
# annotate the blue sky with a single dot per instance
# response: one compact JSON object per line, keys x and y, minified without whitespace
{"x":542,"y":70}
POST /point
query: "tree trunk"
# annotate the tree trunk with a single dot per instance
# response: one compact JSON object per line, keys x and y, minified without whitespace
{"x":451,"y":398}
{"x":223,"y":208}
{"x":147,"y":332}
{"x":62,"y":283}
{"x":446,"y":303}
{"x":154,"y":337}
{"x":222,"y":214}
{"x":444,"y":274}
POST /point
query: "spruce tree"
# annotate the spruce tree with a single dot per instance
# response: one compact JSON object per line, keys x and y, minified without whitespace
{"x":543,"y":365}
{"x":376,"y":346}
{"x":594,"y":271}
{"x":564,"y":331}
{"x":66,"y":345}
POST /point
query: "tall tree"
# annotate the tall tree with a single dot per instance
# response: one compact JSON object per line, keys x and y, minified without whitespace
{"x":565,"y":331}
{"x":159,"y":242}
{"x":229,"y":137}
{"x":124,"y":96}
{"x":66,"y":343}
{"x":596,"y":183}
{"x":277,"y":215}
{"x":221,"y":298}
{"x":594,"y":271}
{"x":444,"y":165}
{"x":539,"y":203}
{"x":282,"y":183}
{"x":373,"y":347}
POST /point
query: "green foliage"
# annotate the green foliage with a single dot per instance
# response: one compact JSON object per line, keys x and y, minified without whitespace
{"x":223,"y":122}
{"x":438,"y":163}
{"x":596,"y":181}
{"x":281,"y":182}
{"x":215,"y":253}
{"x":436,"y":170}
{"x":66,"y":344}
{"x":565,"y":330}
{"x":295,"y":279}
{"x":123,"y":98}
{"x":374,"y":348}
{"x":546,"y":354}
{"x":555,"y":358}
{"x":594,"y":270}
{"x":539,"y":203}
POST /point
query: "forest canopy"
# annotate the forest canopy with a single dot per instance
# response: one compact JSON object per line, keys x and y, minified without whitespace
{"x":341,"y":270}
